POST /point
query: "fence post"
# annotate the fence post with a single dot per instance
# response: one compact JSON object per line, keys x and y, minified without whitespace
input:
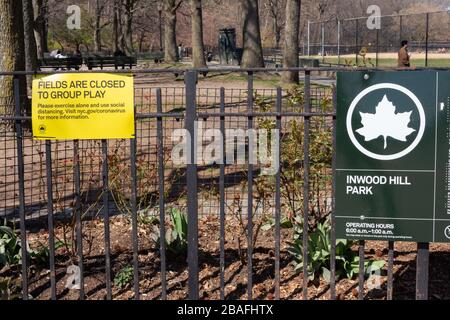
{"x":339,"y":41}
{"x":251,"y":147}
{"x":427,"y":38}
{"x":21,"y":174}
{"x":378,"y":48}
{"x":50,"y":224}
{"x":161,"y":187}
{"x":333,"y":211}
{"x":307,"y":121}
{"x":423,"y":256}
{"x":191,"y":178}
{"x":323,"y":43}
{"x":309,"y":44}
{"x":357,"y":40}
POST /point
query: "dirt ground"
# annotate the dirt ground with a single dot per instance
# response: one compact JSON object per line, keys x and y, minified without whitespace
{"x":235,"y":270}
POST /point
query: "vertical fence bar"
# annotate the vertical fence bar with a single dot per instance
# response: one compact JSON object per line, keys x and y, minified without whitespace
{"x":390,"y":280}
{"x":222,"y":196}
{"x":423,"y":258}
{"x":378,"y":48}
{"x":105,"y":200}
{"x":427,"y":36}
{"x":50,"y":227}
{"x":357,"y":40}
{"x":278,"y":201}
{"x":162,"y":211}
{"x":323,"y":42}
{"x":21,"y":175}
{"x":306,"y":182}
{"x":191,"y":177}
{"x":333,"y":212}
{"x":400,"y":29}
{"x":361,"y":270}
{"x":77,"y":208}
{"x":134,"y":225}
{"x":339,"y":41}
{"x":309,"y":44}
{"x":250,"y":190}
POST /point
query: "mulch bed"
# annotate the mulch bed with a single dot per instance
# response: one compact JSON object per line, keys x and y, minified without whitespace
{"x":209,"y":262}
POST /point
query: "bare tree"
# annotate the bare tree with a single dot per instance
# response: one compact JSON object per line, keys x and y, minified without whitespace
{"x":198,"y":56}
{"x":41,"y":26}
{"x":130,"y":7}
{"x":252,"y":56}
{"x":116,"y":25}
{"x":12,"y":51}
{"x":291,"y":42}
{"x":146,"y":27}
{"x":170,"y":38}
{"x":100,"y":6}
{"x":275,"y":9}
{"x":30,"y":40}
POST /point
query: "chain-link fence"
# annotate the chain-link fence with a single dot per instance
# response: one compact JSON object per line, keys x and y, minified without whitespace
{"x":351,"y":42}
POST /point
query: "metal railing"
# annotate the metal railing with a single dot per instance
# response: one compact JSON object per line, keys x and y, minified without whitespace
{"x":155,"y":105}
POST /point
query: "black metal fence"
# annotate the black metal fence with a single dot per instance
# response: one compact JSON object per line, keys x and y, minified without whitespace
{"x":87,"y":184}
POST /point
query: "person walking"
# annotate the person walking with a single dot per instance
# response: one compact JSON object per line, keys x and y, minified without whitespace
{"x":404,"y":56}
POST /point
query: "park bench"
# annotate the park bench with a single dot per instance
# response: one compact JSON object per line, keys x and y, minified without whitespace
{"x":110,"y":61}
{"x":309,"y":63}
{"x":61,"y":63}
{"x":156,"y":56}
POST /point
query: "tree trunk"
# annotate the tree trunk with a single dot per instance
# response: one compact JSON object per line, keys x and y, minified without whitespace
{"x":129,"y":4}
{"x":252,"y":56}
{"x":141,"y":41}
{"x":170,"y":37}
{"x":198,"y":49}
{"x":120,"y":31}
{"x":116,"y":26}
{"x":40,"y":27}
{"x":30,"y":42}
{"x":97,"y":27}
{"x":291,"y":42}
{"x":277,"y":35}
{"x":12,"y":52}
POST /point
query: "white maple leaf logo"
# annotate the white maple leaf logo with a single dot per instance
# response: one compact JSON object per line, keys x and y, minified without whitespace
{"x":385,"y":122}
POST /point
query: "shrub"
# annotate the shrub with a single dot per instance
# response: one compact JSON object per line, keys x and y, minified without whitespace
{"x":10,"y":248}
{"x":176,"y":234}
{"x":319,"y":251}
{"x":124,"y":277}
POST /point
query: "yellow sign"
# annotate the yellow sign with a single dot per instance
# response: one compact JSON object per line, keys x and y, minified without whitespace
{"x":83,"y":106}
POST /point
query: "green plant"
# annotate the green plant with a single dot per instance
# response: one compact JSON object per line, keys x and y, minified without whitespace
{"x":176,"y":233}
{"x":124,"y":277}
{"x":285,"y":223}
{"x":320,"y":156}
{"x":145,"y":219}
{"x":41,"y":254}
{"x":319,"y":249}
{"x":10,"y":248}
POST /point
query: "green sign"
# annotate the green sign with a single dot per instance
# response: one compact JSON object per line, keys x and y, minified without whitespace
{"x":393,"y":156}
